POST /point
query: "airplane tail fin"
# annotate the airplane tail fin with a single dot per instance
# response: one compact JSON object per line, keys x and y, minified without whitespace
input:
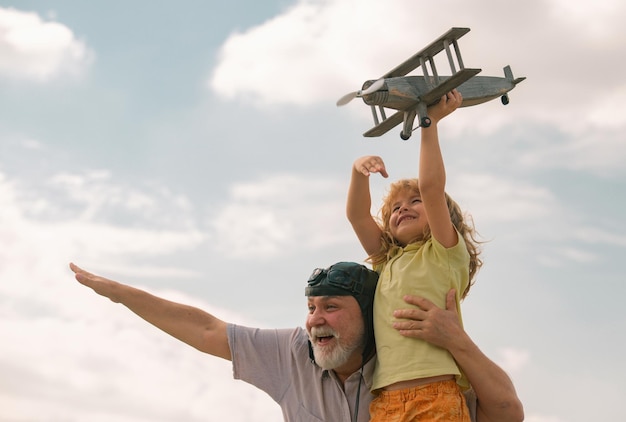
{"x":508,"y":73}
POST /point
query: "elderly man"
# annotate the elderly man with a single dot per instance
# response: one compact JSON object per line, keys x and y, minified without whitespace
{"x":323,"y":373}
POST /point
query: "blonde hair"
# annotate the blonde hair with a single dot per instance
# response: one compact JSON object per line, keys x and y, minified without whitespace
{"x":464,"y":225}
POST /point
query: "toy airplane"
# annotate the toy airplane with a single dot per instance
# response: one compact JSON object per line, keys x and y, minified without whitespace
{"x":411,"y":95}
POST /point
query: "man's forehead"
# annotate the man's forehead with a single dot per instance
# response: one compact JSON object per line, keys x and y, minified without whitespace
{"x":343,"y":298}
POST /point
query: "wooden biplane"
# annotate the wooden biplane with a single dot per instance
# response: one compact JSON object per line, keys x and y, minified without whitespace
{"x":411,"y":95}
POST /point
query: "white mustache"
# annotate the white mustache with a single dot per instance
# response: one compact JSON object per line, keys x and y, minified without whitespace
{"x":317,"y":332}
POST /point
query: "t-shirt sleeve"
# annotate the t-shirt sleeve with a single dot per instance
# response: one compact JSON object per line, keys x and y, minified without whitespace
{"x":263,"y":357}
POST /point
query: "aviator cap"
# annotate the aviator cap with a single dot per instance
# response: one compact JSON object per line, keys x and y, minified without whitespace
{"x":348,"y":279}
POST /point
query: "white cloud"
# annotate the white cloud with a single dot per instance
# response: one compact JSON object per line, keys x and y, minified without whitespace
{"x":512,"y":359}
{"x":570,"y":52}
{"x":37,"y":246}
{"x":593,"y":235}
{"x":499,"y":199}
{"x":69,"y":354}
{"x":268,"y":217}
{"x":571,"y":55}
{"x":33,"y":49}
{"x":331,"y":48}
{"x":577,"y":254}
{"x":597,"y":149}
{"x":96,"y":196}
{"x":607,"y":112}
{"x":596,"y":20}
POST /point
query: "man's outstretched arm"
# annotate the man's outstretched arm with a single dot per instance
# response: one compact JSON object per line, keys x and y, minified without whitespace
{"x":191,"y":325}
{"x":497,"y":398}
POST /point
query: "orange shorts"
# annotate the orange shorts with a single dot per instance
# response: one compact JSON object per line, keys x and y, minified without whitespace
{"x":437,"y":401}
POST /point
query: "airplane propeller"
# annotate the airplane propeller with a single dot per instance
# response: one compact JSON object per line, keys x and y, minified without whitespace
{"x":369,"y":90}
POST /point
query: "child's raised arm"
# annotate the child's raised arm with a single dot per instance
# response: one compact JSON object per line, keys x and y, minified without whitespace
{"x":432,"y":172}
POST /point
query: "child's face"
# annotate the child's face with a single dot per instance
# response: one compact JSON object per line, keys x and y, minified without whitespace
{"x":408,"y":217}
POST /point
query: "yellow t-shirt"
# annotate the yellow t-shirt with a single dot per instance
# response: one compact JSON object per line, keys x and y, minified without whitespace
{"x":425,"y":269}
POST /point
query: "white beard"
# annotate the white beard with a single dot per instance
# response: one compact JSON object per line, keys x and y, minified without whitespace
{"x":327,"y":357}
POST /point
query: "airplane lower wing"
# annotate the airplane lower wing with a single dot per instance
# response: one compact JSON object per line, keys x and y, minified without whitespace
{"x":386,"y":125}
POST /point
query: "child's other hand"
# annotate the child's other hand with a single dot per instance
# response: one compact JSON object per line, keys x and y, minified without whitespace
{"x":370,"y":164}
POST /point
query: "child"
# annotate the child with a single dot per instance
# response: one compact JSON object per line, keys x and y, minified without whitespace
{"x":421,"y":247}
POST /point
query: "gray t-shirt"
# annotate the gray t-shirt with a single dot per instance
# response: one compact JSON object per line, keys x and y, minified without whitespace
{"x":278,"y":362}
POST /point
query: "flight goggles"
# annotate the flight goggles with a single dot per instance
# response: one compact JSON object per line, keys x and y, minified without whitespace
{"x":341,"y":279}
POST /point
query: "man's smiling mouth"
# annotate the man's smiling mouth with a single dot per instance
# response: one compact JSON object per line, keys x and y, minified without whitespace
{"x":322,"y":337}
{"x":323,"y":340}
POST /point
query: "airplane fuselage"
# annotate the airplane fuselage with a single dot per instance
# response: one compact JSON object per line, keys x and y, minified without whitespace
{"x":405,"y":92}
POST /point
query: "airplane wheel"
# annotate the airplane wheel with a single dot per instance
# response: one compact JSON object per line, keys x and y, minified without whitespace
{"x":403,"y":136}
{"x":504,"y":99}
{"x":425,"y":122}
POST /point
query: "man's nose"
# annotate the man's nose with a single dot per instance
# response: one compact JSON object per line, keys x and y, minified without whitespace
{"x":316,"y":318}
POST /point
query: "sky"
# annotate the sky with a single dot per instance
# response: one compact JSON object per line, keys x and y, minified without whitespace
{"x":194,"y":149}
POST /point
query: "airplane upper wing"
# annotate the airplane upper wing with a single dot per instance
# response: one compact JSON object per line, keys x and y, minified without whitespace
{"x":386,"y":125}
{"x":433,"y":48}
